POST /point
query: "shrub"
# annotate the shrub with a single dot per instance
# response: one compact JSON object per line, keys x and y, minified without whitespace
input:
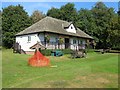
{"x":46,"y":52}
{"x":90,"y":50}
{"x":66,"y":51}
{"x":117,"y":47}
{"x":47,"y":38}
{"x":61,"y":40}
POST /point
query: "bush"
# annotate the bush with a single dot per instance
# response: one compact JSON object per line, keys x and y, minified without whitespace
{"x":116,"y":47}
{"x":66,"y":51}
{"x":90,"y":50}
{"x":46,"y":52}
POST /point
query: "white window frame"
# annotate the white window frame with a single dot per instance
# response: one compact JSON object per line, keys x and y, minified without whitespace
{"x":29,"y":39}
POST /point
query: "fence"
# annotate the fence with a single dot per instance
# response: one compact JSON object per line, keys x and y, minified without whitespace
{"x":55,"y":45}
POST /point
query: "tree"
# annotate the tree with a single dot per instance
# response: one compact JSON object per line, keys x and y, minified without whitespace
{"x":102,"y":18}
{"x":14,"y":20}
{"x":54,"y":12}
{"x":0,"y":28}
{"x":114,"y":35}
{"x":85,"y":21}
{"x":66,"y":12}
{"x":36,"y":16}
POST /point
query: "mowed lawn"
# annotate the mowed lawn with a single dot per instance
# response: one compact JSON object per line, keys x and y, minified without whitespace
{"x":95,"y":71}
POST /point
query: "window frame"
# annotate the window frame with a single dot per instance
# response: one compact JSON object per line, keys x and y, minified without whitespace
{"x":29,"y":39}
{"x":74,"y":41}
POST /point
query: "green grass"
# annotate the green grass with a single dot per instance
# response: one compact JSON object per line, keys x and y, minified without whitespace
{"x":95,"y":71}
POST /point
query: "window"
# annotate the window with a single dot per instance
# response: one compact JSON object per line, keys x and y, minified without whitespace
{"x":81,"y":42}
{"x":56,"y":40}
{"x":29,"y":38}
{"x":74,"y":41}
{"x":71,"y":27}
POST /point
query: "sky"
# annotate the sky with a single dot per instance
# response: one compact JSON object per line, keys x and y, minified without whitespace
{"x":45,"y":6}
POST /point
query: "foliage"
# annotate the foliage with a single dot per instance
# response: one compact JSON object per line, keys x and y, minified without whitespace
{"x":37,"y":15}
{"x":66,"y":12}
{"x":46,"y":52}
{"x":47,"y":38}
{"x":0,"y":28}
{"x":61,"y":40}
{"x":65,"y":51}
{"x":54,"y":12}
{"x":113,"y":37}
{"x":14,"y":20}
{"x":85,"y":21}
{"x":90,"y":50}
{"x":102,"y":18}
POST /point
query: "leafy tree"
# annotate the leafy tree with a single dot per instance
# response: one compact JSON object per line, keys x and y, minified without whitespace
{"x":36,"y":16}
{"x":85,"y":21}
{"x":114,"y":35}
{"x":14,"y":20}
{"x":66,"y":12}
{"x":0,"y":28}
{"x":102,"y":18}
{"x":54,"y":12}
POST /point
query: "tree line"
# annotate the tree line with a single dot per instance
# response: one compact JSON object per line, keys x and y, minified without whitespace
{"x":101,"y":22}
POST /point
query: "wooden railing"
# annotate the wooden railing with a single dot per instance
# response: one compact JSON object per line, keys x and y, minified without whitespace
{"x":67,"y":45}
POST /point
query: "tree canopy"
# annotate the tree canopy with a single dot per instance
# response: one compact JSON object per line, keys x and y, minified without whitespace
{"x":102,"y":17}
{"x":0,"y":28}
{"x":14,"y":20}
{"x":67,"y":12}
{"x":36,"y":16}
{"x":54,"y":12}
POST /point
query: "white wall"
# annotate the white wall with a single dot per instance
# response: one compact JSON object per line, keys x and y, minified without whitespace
{"x":23,"y":41}
{"x":72,"y":30}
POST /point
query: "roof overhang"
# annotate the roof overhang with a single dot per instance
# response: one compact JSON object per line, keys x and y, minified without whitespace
{"x":56,"y":33}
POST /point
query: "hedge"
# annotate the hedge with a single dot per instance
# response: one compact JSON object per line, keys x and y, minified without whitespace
{"x":47,"y":52}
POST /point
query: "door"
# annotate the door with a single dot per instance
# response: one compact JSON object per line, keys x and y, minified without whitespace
{"x":67,"y":44}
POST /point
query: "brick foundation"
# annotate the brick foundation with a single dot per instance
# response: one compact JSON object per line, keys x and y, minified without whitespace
{"x":30,"y":52}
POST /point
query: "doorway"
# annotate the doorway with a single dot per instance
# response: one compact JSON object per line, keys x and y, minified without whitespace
{"x":67,"y":44}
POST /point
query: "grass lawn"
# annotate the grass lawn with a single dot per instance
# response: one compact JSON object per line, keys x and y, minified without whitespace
{"x":95,"y":71}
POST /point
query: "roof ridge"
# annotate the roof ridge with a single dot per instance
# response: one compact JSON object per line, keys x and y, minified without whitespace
{"x":57,"y":19}
{"x":50,"y":24}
